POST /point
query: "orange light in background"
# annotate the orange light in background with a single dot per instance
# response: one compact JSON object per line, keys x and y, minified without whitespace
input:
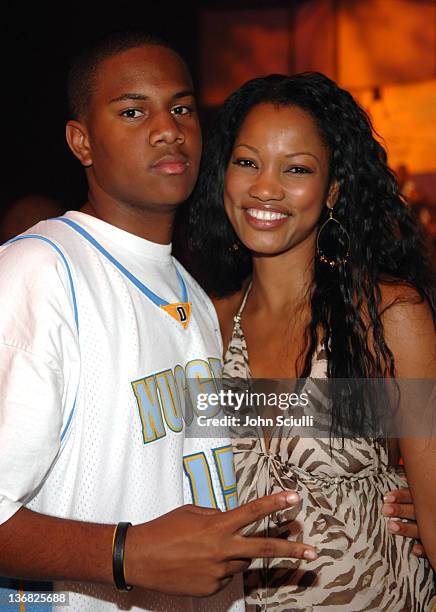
{"x":315,"y":25}
{"x":385,"y":41}
{"x":405,"y":115}
{"x":240,"y":45}
{"x":382,"y":47}
{"x":388,"y":47}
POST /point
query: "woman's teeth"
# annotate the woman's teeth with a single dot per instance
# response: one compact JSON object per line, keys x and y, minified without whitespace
{"x":265,"y":215}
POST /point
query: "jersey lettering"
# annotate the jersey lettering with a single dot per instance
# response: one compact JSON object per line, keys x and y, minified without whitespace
{"x":180,"y":311}
{"x":226,"y":471}
{"x":168,"y":400}
{"x":150,"y":410}
{"x":200,"y":480}
{"x":198,"y":473}
{"x":182,"y":314}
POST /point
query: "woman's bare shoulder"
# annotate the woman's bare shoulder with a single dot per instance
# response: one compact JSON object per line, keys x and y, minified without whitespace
{"x":396,"y":292}
{"x":409,"y":330}
{"x":402,"y":304}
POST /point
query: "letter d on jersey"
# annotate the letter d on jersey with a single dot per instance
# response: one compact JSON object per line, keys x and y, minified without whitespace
{"x":180,"y":311}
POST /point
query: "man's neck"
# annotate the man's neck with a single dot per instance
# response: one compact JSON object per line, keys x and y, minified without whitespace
{"x":155,"y":226}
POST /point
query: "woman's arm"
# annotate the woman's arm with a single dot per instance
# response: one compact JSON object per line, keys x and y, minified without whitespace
{"x":410,"y":335}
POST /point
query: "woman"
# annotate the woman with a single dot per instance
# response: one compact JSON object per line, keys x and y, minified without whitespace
{"x":321,"y":274}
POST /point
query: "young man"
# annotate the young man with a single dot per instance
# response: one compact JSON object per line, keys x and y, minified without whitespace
{"x":103,"y":341}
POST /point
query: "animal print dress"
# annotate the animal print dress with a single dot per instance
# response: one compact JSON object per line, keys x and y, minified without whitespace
{"x":360,"y":565}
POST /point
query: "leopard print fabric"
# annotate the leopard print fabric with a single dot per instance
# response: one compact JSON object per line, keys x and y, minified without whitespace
{"x":361,"y":566}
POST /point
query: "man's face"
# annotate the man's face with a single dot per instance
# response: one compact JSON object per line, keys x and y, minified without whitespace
{"x":143,"y":130}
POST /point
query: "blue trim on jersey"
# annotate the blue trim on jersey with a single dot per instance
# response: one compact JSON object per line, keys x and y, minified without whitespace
{"x":67,"y":424}
{"x":73,"y":293}
{"x":70,"y":277}
{"x":145,"y":290}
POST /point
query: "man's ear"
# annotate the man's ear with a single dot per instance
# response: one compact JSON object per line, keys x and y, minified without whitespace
{"x":78,"y":141}
{"x":332,"y":194}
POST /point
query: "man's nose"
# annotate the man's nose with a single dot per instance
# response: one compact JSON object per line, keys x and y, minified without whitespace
{"x":166,"y":129}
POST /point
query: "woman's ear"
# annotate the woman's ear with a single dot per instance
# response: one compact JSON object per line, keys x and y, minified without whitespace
{"x":78,"y":141}
{"x":332,"y":194}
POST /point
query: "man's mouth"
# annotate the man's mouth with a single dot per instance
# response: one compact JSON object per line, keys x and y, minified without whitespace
{"x":171,"y":164}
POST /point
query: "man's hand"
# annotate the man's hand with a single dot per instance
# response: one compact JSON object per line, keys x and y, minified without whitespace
{"x":399,"y":504}
{"x":196,"y":551}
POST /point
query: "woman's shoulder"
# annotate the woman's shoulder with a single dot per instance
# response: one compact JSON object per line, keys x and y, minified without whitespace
{"x":409,"y":329}
{"x":401,"y":301}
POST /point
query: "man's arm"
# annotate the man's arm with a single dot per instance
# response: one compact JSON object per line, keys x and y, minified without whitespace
{"x":36,"y":546}
{"x":189,"y":551}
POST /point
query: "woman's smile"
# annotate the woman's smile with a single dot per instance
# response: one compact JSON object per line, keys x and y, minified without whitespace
{"x":265,"y":218}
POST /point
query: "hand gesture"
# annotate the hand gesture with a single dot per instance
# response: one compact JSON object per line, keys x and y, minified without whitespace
{"x":196,"y":551}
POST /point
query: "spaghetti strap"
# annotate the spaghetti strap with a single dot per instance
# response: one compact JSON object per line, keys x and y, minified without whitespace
{"x":237,"y":317}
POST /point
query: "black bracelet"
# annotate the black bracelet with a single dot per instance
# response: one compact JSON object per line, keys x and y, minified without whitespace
{"x":118,"y":543}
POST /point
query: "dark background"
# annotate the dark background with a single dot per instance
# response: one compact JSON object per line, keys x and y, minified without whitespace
{"x":38,"y":40}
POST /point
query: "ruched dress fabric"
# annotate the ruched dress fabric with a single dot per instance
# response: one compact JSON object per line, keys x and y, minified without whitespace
{"x":360,"y":565}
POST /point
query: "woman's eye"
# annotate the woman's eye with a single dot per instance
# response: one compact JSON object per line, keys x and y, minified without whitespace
{"x":132,"y":113}
{"x":299,"y":170}
{"x":182,"y":110}
{"x":244,"y":163}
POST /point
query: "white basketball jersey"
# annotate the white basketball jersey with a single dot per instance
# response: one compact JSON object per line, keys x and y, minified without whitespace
{"x":103,"y":339}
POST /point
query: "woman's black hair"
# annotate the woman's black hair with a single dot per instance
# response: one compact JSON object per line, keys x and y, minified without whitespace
{"x":386,"y":245}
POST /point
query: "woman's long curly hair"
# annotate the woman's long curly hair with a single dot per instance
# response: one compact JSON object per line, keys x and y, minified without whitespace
{"x":386,"y":245}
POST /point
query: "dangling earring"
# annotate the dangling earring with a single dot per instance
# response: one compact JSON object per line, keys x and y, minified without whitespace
{"x":333,"y":242}
{"x":233,"y":247}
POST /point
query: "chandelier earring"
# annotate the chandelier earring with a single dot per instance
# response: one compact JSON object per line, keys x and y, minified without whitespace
{"x":332,"y":242}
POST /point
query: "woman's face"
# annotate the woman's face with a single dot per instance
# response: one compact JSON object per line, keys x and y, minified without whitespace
{"x":276,"y":180}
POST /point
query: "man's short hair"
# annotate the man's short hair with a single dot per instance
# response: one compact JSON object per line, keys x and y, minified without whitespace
{"x":84,"y":67}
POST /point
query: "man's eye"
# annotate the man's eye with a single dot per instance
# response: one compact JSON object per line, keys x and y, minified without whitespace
{"x":132,"y":113}
{"x":244,"y":163}
{"x":182,"y":110}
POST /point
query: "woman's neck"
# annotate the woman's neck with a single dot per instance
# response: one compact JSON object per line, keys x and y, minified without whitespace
{"x":282,"y":281}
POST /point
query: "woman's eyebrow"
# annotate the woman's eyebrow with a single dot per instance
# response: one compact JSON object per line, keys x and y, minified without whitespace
{"x":303,"y":153}
{"x":247,"y":146}
{"x":287,"y":156}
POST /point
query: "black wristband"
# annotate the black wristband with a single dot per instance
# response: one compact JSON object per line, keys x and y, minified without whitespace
{"x":118,"y":543}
